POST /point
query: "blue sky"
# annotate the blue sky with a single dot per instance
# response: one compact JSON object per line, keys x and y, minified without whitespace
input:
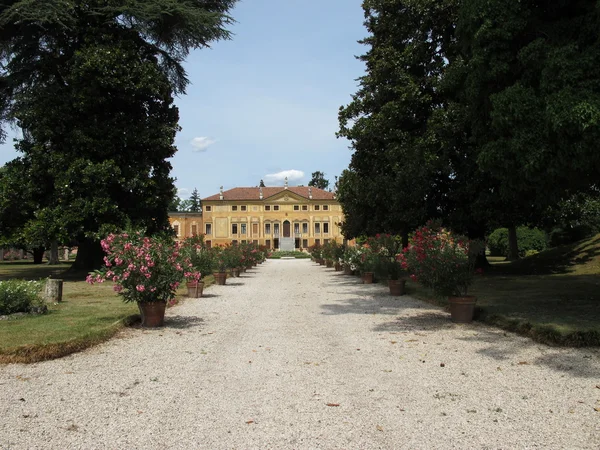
{"x":265,"y":103}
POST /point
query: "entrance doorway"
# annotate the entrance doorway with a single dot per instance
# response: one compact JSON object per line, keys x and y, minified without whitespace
{"x":286,"y":229}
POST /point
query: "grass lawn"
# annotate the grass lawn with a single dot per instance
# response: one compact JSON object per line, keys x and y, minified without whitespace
{"x":88,"y":315}
{"x":287,"y":254}
{"x":553,"y":297}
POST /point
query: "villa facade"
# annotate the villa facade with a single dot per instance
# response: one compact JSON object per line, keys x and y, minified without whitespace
{"x":284,"y":218}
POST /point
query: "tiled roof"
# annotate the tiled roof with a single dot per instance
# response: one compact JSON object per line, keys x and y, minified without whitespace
{"x":252,"y":193}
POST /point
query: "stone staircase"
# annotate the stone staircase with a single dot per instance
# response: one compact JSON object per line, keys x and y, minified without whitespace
{"x":287,"y":244}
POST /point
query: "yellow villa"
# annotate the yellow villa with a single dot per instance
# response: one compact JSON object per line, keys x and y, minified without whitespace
{"x":284,"y":218}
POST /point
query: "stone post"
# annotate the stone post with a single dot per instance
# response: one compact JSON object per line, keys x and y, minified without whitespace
{"x":54,"y":289}
{"x":66,"y":250}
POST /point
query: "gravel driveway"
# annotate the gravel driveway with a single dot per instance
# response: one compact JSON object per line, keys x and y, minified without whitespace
{"x":293,"y":355}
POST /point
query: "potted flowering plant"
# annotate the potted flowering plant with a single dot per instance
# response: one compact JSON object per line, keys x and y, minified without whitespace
{"x":220,"y":264}
{"x":349,"y":258}
{"x":201,"y":257}
{"x":337,"y":252}
{"x":145,"y":270}
{"x":365,"y":262}
{"x":316,"y":251}
{"x":387,"y":266}
{"x":444,"y":262}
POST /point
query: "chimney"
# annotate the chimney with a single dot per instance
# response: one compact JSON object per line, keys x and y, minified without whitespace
{"x":310,"y":192}
{"x":221,"y":193}
{"x":286,"y":183}
{"x":260,"y":193}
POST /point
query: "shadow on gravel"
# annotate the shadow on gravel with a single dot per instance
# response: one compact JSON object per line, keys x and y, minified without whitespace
{"x":425,"y":321}
{"x":228,"y":283}
{"x":365,"y":305}
{"x":181,"y":322}
{"x":578,"y":363}
{"x":209,"y":295}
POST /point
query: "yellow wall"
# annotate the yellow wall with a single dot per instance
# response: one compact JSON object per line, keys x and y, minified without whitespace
{"x":186,"y":223}
{"x":219,"y":216}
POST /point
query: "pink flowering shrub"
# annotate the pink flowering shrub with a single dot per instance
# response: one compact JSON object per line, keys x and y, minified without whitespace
{"x":143,"y":269}
{"x":440,"y":260}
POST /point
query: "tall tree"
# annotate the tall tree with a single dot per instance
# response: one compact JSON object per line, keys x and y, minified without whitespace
{"x":92,"y":82}
{"x":532,"y":97}
{"x":318,"y":180}
{"x":397,"y":179}
{"x":195,"y":202}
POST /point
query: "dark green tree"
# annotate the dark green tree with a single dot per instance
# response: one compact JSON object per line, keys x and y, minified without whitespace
{"x":92,"y":82}
{"x":318,"y":180}
{"x":532,"y":100}
{"x":397,"y":178}
{"x":195,"y":201}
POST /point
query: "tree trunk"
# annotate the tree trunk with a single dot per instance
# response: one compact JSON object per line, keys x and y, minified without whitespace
{"x":38,"y":255}
{"x":513,"y":244}
{"x":89,"y":256}
{"x":53,"y":260}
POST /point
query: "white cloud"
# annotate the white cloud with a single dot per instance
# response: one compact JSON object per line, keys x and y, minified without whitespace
{"x":183,"y":192}
{"x":277,"y":179}
{"x":201,"y":144}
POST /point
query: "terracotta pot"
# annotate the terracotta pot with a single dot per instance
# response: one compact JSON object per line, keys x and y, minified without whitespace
{"x":397,"y":287}
{"x":462,"y":308}
{"x":220,"y":278}
{"x":235,"y":272}
{"x":248,"y":267}
{"x":329,"y":263}
{"x":347,"y":270}
{"x":367,"y":278}
{"x":321,"y":262}
{"x":153,"y":314}
{"x":195,"y":289}
{"x":337,"y":267}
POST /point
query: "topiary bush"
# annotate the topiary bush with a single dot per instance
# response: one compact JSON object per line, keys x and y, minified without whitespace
{"x":497,"y":242}
{"x":528,"y":239}
{"x":20,"y":296}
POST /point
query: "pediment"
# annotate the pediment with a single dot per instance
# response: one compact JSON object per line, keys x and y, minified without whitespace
{"x":286,"y":197}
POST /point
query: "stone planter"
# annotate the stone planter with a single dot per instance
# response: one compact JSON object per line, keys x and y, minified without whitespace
{"x":195,"y":289}
{"x":329,"y":263}
{"x":220,"y":278}
{"x":153,"y":314}
{"x":367,"y":278}
{"x":348,"y":270}
{"x":337,"y":267}
{"x":397,"y":287}
{"x":462,"y":308}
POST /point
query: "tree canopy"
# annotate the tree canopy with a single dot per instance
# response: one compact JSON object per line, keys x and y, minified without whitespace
{"x":482,"y":113}
{"x":318,"y":180}
{"x":92,"y":83}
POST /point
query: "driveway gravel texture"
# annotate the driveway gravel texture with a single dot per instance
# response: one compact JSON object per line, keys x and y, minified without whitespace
{"x":294,"y":355}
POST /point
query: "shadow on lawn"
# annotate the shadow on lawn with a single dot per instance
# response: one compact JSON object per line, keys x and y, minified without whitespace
{"x":560,"y":260}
